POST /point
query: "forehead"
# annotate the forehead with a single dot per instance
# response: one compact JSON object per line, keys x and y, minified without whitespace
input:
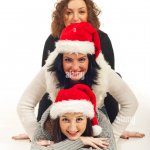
{"x":74,"y":55}
{"x":71,"y":115}
{"x":74,"y":4}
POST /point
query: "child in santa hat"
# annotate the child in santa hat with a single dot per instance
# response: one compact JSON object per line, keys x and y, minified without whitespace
{"x":71,"y":123}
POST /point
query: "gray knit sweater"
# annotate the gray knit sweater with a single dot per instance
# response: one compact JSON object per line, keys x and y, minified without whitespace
{"x":42,"y":134}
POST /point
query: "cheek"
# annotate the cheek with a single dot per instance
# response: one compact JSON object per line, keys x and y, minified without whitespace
{"x":86,"y":65}
{"x":84,"y":18}
{"x":63,"y":127}
{"x":67,"y":21}
{"x":66,"y":67}
{"x":82,"y":126}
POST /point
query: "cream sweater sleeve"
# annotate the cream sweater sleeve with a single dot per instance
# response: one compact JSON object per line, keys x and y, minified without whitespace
{"x":30,"y":98}
{"x":127,"y":100}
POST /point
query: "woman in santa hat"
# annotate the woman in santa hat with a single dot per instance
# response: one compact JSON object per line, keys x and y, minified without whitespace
{"x":77,"y":58}
{"x":70,"y":123}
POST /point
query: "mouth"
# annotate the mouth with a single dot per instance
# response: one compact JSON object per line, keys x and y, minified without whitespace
{"x":76,"y":74}
{"x":73,"y":134}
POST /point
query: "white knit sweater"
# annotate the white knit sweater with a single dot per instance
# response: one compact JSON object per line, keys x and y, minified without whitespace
{"x":108,"y":81}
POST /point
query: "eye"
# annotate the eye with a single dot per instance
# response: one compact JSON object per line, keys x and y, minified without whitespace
{"x":79,"y":119}
{"x":68,"y":13}
{"x":65,"y":120}
{"x":82,"y":59}
{"x":82,"y":12}
{"x":68,"y":60}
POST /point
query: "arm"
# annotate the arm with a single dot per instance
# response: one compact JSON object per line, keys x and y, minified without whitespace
{"x":64,"y":145}
{"x":48,"y":48}
{"x":29,"y":100}
{"x":127,"y":100}
{"x":111,"y":104}
{"x":107,"y":49}
{"x":107,"y":131}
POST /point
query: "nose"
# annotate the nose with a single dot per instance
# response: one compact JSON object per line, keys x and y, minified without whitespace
{"x":72,"y":128}
{"x":76,"y":18}
{"x":75,"y":66}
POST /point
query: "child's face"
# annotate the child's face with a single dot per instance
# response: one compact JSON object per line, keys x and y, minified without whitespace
{"x":73,"y":125}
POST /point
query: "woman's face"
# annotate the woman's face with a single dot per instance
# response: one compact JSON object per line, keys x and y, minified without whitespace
{"x":76,"y":12}
{"x":73,"y":125}
{"x":75,"y":65}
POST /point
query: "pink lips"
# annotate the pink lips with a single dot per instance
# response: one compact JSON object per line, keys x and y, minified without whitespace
{"x":72,"y":134}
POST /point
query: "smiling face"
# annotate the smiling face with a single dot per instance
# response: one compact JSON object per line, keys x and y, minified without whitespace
{"x":76,"y":12}
{"x":73,"y":125}
{"x":75,"y":65}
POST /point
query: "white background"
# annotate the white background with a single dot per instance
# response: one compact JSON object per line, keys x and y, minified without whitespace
{"x":25,"y":25}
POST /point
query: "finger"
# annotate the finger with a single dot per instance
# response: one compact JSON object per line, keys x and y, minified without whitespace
{"x":103,"y":139}
{"x":134,"y":134}
{"x":137,"y":135}
{"x":102,"y":144}
{"x":124,"y":137}
{"x":105,"y":143}
{"x":20,"y":137}
{"x":42,"y":142}
{"x":93,"y":145}
{"x":39,"y":143}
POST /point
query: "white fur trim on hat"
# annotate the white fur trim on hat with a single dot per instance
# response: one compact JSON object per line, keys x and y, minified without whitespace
{"x":96,"y":130}
{"x":83,"y":106}
{"x":67,"y":46}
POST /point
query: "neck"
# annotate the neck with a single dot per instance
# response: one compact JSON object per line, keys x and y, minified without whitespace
{"x":74,"y":82}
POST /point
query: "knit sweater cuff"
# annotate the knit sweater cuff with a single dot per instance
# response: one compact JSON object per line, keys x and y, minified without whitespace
{"x":68,"y":145}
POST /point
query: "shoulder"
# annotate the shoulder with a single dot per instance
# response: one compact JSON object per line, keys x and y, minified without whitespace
{"x":102,"y":34}
{"x":41,"y":132}
{"x":51,"y":38}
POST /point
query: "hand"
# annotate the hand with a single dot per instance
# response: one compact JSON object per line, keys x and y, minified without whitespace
{"x":20,"y":137}
{"x":44,"y":142}
{"x":95,"y":142}
{"x":131,"y":134}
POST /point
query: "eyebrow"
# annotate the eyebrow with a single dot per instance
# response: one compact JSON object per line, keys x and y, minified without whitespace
{"x":77,"y":116}
{"x":67,"y":57}
{"x":63,"y":116}
{"x":78,"y":8}
{"x":72,"y":58}
{"x":81,"y":116}
{"x":83,"y":56}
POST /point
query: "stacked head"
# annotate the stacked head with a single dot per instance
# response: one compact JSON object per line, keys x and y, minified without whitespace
{"x":78,"y":99}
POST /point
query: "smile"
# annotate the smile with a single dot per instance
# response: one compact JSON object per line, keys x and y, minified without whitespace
{"x":76,"y":73}
{"x":72,"y":134}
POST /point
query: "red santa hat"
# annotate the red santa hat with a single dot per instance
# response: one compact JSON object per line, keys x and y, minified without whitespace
{"x":79,"y":38}
{"x":79,"y":98}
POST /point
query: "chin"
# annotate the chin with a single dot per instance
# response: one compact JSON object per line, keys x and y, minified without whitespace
{"x":73,"y":138}
{"x":76,"y":79}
